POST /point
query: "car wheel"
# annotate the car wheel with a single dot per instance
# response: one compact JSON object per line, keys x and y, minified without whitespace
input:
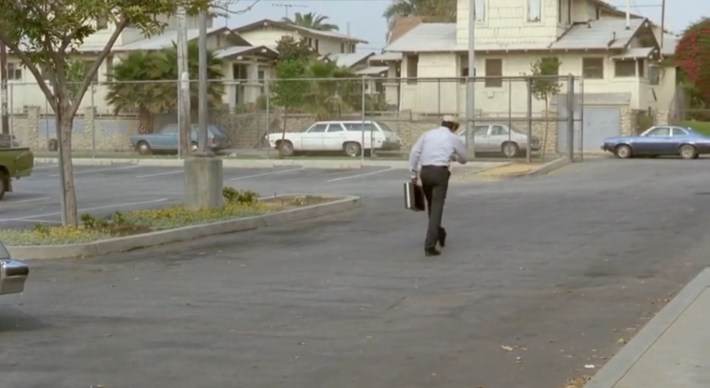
{"x":688,"y":151}
{"x":622,"y":151}
{"x":352,"y":149}
{"x":510,"y":149}
{"x":4,"y":179}
{"x":143,"y":148}
{"x":285,"y":147}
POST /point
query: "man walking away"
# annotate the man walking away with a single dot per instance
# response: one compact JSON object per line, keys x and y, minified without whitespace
{"x":434,"y":150}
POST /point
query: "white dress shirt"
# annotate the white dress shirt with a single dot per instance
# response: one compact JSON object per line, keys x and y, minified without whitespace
{"x":436,"y":147}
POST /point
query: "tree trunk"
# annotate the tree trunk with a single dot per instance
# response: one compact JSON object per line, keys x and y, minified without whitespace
{"x":64,"y":124}
{"x":145,"y":121}
{"x":547,"y":127}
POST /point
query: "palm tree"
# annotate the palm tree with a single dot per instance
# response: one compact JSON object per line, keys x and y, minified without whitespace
{"x":147,"y":82}
{"x":313,"y":21}
{"x":442,"y":11}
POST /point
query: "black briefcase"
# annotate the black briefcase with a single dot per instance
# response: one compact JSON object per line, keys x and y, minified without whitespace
{"x":414,"y":197}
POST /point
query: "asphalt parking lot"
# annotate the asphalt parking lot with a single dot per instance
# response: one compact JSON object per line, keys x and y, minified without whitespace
{"x":540,"y":278}
{"x":105,"y":189}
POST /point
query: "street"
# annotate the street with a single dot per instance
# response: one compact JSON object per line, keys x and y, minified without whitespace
{"x":540,"y":277}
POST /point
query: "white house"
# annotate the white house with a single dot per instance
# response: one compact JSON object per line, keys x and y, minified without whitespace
{"x":618,"y":57}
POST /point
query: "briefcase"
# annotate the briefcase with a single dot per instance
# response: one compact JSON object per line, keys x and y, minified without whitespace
{"x":414,"y":197}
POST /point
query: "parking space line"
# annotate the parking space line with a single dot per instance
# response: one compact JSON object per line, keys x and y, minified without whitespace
{"x":159,"y":174}
{"x":101,"y":170}
{"x":361,"y":175}
{"x":31,"y":200}
{"x":266,"y":174}
{"x":118,"y":205}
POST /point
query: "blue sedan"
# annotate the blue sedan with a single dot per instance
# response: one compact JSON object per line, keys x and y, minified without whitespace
{"x":660,"y":141}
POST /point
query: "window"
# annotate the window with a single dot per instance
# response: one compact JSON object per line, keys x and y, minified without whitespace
{"x":335,"y":128}
{"x":385,"y":127}
{"x":593,"y":68}
{"x":14,"y":72}
{"x":625,"y":68}
{"x":318,"y":128}
{"x":679,"y":132}
{"x":642,"y":68}
{"x":342,"y":48}
{"x":169,"y":130}
{"x":534,"y":10}
{"x":480,"y":10}
{"x":659,"y":132}
{"x":654,"y":75}
{"x":499,"y":130}
{"x":101,"y":23}
{"x":463,"y":68}
{"x":412,"y":67}
{"x":494,"y":68}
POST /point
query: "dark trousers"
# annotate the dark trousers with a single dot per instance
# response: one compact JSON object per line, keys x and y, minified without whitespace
{"x":435,"y":183}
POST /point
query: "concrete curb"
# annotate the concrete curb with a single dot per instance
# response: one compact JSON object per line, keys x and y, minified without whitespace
{"x":614,"y":370}
{"x":127,"y":243}
{"x":249,"y":163}
{"x":549,"y":167}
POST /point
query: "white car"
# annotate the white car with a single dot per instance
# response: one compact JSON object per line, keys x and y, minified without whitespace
{"x":497,"y":138}
{"x":350,"y":137}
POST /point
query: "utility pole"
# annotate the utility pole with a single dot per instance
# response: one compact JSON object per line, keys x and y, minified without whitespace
{"x":184,"y":122}
{"x":204,"y":181}
{"x":663,"y":24}
{"x":470,"y":81}
{"x":3,"y":75}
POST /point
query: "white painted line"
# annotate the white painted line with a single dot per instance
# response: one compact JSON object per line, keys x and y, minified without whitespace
{"x":360,"y":175}
{"x":31,"y":200}
{"x":45,"y":167}
{"x":266,"y":174}
{"x":101,"y":170}
{"x":159,"y":174}
{"x":114,"y":206}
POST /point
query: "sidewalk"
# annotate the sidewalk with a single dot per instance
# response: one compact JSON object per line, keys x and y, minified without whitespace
{"x":671,"y":351}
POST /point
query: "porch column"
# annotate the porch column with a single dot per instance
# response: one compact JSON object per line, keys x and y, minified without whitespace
{"x":391,"y":85}
{"x":230,"y":96}
{"x":253,"y":87}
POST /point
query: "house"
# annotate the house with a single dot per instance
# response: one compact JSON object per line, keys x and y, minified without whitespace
{"x":268,"y":32}
{"x":246,"y":66}
{"x":618,"y":56}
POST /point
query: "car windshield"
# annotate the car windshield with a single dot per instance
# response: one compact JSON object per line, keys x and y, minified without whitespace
{"x":4,"y":254}
{"x":384,"y":126}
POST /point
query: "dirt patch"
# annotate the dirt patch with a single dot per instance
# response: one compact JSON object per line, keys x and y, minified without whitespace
{"x":292,"y":202}
{"x":511,"y":170}
{"x":577,"y":382}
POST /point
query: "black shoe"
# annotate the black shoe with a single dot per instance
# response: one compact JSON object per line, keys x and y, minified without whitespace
{"x":431,"y":252}
{"x":442,"y":238}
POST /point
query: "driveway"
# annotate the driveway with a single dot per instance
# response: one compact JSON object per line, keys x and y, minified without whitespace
{"x":540,"y":278}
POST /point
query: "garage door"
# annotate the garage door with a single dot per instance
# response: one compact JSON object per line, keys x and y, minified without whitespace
{"x":599,"y":123}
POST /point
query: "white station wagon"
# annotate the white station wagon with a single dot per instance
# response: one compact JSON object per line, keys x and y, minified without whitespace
{"x":350,"y":137}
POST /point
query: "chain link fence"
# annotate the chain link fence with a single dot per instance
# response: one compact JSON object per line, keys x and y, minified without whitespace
{"x":515,"y":117}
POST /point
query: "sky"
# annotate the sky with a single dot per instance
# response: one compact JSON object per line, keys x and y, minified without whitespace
{"x":365,"y":21}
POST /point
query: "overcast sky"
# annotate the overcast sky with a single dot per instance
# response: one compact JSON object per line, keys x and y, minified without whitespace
{"x":365,"y":20}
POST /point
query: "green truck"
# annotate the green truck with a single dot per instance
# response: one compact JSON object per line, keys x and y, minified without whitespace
{"x":15,"y":163}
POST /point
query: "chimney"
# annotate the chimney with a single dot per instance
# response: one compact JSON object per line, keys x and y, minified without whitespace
{"x":628,"y":14}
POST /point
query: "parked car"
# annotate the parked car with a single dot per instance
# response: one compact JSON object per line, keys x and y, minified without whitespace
{"x":499,"y":138}
{"x":166,"y":139}
{"x":13,"y":273}
{"x":350,"y":137}
{"x":15,"y":163}
{"x":659,"y":140}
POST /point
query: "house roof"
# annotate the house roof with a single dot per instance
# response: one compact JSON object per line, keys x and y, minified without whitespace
{"x":166,"y":39}
{"x":402,"y":26}
{"x":233,"y":51}
{"x":598,"y":34}
{"x":636,"y":53}
{"x":348,"y":60}
{"x":386,"y":57}
{"x":293,"y":27}
{"x":373,"y":70}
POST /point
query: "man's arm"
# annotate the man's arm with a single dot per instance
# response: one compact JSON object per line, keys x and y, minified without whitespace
{"x":460,"y":150}
{"x":414,"y":156}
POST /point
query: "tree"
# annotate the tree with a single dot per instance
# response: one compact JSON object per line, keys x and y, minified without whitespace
{"x":43,"y":34}
{"x":291,"y":49}
{"x":545,"y":85}
{"x":693,"y":59}
{"x":288,"y":89}
{"x":146,"y":82}
{"x":441,"y":11}
{"x":330,"y":89}
{"x":313,"y":21}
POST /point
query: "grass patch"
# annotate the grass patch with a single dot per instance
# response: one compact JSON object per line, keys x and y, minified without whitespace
{"x":238,"y":204}
{"x":700,"y":126}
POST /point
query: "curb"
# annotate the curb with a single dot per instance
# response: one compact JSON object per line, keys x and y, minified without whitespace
{"x":549,"y":167}
{"x":614,"y":370}
{"x":127,"y":243}
{"x":250,"y":163}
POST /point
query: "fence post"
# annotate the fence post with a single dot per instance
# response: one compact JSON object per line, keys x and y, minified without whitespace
{"x":530,"y":103}
{"x":93,"y":122}
{"x":570,"y":117}
{"x":362,"y":112}
{"x":581,"y":119}
{"x":267,"y":83}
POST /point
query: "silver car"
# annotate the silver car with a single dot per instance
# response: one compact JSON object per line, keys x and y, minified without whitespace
{"x":499,"y":138}
{"x":13,"y":273}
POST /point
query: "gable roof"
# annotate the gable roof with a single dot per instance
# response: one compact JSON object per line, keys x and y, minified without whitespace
{"x":348,"y":60}
{"x":166,"y":39}
{"x":600,"y":34}
{"x":402,"y":26}
{"x":292,"y":27}
{"x":233,"y":51}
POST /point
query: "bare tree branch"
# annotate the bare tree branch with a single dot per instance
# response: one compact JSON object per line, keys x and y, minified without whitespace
{"x":32,"y":67}
{"x":225,"y":7}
